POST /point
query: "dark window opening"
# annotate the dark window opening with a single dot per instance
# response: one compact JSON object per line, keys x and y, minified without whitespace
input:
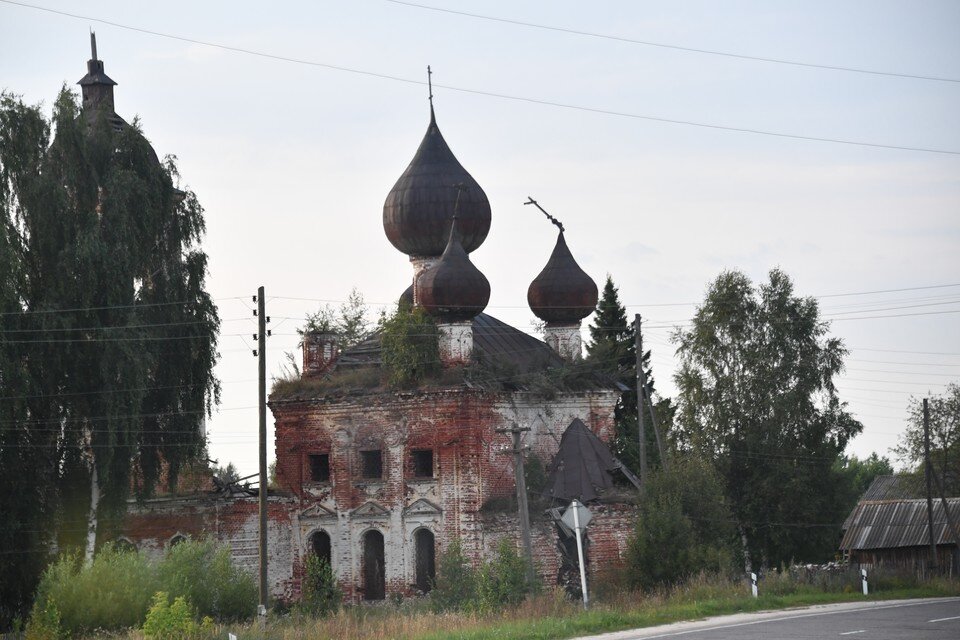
{"x":320,"y":467}
{"x":124,"y":545}
{"x":177,"y":539}
{"x":422,"y":463}
{"x":371,"y":464}
{"x":320,"y":544}
{"x":374,"y":566}
{"x":425,"y":559}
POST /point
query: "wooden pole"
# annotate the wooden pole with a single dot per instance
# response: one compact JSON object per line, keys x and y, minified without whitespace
{"x":262,"y":407}
{"x":522,"y":508}
{"x":926,"y":468}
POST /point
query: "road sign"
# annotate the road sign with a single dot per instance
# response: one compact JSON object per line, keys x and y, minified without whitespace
{"x":582,"y":514}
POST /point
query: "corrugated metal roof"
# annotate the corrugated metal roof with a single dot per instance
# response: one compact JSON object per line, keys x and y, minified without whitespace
{"x":893,"y":487}
{"x":897,"y":523}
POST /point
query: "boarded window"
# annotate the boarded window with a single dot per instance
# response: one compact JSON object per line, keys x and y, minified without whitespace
{"x":422,"y":463}
{"x":371,"y":464}
{"x":319,"y":467}
{"x":374,"y":565}
{"x":426,"y":559}
{"x":320,"y":545}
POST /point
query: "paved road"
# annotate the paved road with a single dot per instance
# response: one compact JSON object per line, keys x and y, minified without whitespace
{"x":926,"y":619}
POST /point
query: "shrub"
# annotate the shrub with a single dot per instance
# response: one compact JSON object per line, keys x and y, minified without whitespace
{"x":44,"y":623}
{"x":112,"y":593}
{"x":455,"y":584}
{"x":409,"y":346}
{"x":204,"y":573}
{"x":175,"y":621}
{"x":321,"y":595}
{"x":503,"y":581}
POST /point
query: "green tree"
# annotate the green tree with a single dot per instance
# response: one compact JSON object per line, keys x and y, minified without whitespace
{"x":350,"y":321}
{"x":410,"y":345}
{"x":858,"y":474}
{"x":110,"y":332}
{"x":756,"y":397}
{"x":944,"y":437}
{"x":456,"y":582}
{"x":613,"y":348}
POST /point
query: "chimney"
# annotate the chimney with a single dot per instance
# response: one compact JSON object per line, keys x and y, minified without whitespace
{"x":320,"y":353}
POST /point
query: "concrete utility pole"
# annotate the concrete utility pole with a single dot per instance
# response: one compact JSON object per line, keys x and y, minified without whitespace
{"x":641,"y":387}
{"x":262,"y":407}
{"x":521,"y":484}
{"x":927,"y":473}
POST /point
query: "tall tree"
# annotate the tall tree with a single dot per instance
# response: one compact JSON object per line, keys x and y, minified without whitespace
{"x":112,"y":330}
{"x":944,"y":437}
{"x":756,"y":396}
{"x":613,"y":348}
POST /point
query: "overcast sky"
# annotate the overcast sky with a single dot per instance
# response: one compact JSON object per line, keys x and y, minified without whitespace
{"x":293,"y":161}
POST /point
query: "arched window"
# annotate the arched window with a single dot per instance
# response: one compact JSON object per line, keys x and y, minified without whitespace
{"x":374,"y":566}
{"x":124,"y":545}
{"x":177,"y":539}
{"x":425,"y":557}
{"x":320,"y":546}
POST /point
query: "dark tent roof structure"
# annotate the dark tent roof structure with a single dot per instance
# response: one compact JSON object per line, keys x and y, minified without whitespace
{"x":581,"y":468}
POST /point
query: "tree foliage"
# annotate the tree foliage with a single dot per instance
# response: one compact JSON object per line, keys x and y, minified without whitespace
{"x":944,"y":437}
{"x":410,"y":345}
{"x":107,"y":335}
{"x":756,"y":397}
{"x":350,"y":321}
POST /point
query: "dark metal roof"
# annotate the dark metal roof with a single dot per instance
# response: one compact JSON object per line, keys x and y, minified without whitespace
{"x":893,"y":487}
{"x":562,"y":292}
{"x":453,"y":290}
{"x":897,"y":523}
{"x":581,"y":467}
{"x":416,"y":214}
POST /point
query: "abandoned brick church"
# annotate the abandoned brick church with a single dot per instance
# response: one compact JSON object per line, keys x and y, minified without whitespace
{"x":378,"y":479}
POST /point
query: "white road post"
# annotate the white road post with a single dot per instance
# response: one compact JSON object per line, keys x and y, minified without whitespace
{"x":753,"y":584}
{"x":863,"y":581}
{"x":583,"y":572}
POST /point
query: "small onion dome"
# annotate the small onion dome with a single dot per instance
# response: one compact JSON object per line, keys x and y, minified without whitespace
{"x":406,"y":298}
{"x":563,"y":292}
{"x":453,"y":290}
{"x":416,"y":214}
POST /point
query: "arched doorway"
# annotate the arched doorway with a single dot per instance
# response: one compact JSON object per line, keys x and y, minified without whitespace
{"x":320,"y":546}
{"x":425,"y":557}
{"x":374,"y":566}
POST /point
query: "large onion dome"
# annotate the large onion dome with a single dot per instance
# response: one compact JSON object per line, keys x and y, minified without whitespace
{"x":416,"y":214}
{"x":563,"y":292}
{"x":453,"y":290}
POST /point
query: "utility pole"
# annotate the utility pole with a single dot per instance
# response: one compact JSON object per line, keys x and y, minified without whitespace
{"x":928,"y":474}
{"x":264,"y":482}
{"x":641,"y":387}
{"x":521,"y":484}
{"x":642,"y":392}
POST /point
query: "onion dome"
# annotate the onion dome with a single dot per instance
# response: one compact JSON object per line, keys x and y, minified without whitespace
{"x":563,"y":292}
{"x":406,"y":298}
{"x":416,"y":214}
{"x":453,"y":290}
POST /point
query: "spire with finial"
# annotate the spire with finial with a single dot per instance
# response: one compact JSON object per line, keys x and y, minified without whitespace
{"x":433,"y":119}
{"x":96,"y":86}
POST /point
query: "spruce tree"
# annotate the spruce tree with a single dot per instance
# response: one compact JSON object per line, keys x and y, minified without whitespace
{"x":612,"y":348}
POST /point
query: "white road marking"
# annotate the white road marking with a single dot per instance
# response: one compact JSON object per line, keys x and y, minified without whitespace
{"x":850,"y":633}
{"x":943,"y":619}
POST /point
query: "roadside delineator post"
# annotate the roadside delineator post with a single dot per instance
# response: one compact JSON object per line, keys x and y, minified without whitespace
{"x":863,"y":581}
{"x":753,"y":584}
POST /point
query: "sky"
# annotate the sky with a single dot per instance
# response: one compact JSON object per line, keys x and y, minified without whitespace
{"x":292,"y":160}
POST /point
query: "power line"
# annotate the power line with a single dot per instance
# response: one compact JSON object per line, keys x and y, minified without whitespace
{"x":492,"y":94}
{"x":664,"y":45}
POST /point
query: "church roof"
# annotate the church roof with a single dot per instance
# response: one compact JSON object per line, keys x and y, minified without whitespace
{"x":562,"y":292}
{"x":454,"y":289}
{"x":581,"y":467}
